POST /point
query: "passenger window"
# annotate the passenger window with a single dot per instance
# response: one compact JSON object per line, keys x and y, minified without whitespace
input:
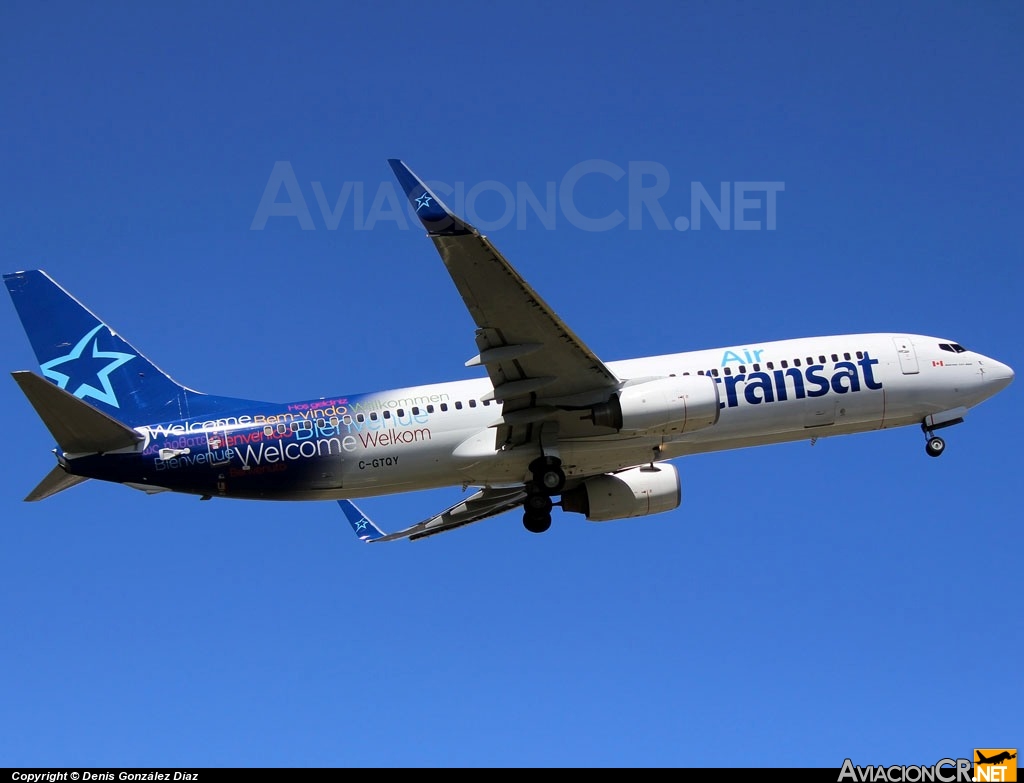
{"x":444,"y":406}
{"x":770,"y":365}
{"x":430,"y":409}
{"x":742,"y":369}
{"x":295,"y":426}
{"x":472,"y":403}
{"x":458,"y":405}
{"x":334,"y":420}
{"x":268,"y":430}
{"x":400,"y":413}
{"x":846,"y":357}
{"x":415,"y":411}
{"x":796,"y":362}
{"x":821,"y":360}
{"x":360,"y":418}
{"x":386,"y":414}
{"x":715,"y":372}
{"x":860,"y":354}
{"x":282,"y":428}
{"x":373,"y":415}
{"x":835,"y":357}
{"x":785,"y":364}
{"x":727,"y":371}
{"x":757,"y":368}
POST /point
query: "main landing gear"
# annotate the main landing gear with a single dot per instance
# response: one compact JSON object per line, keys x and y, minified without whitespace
{"x":548,"y":474}
{"x":537,"y":513}
{"x":548,"y":480}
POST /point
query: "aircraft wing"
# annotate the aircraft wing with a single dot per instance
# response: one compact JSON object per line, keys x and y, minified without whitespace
{"x":478,"y":506}
{"x":528,"y":351}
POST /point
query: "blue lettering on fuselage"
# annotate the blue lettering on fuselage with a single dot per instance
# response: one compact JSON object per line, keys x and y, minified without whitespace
{"x":796,"y":383}
{"x":748,"y":356}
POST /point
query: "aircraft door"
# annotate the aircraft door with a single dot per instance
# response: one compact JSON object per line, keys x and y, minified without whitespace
{"x":908,"y":356}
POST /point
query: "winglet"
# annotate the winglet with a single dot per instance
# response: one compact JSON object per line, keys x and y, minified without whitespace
{"x":432,"y":212}
{"x":361,"y":524}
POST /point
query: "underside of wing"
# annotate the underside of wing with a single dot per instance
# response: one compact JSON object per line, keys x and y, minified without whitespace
{"x":531,"y":356}
{"x":481,"y":505}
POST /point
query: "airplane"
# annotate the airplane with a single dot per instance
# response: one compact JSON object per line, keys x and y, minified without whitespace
{"x":996,"y":759}
{"x":549,"y":423}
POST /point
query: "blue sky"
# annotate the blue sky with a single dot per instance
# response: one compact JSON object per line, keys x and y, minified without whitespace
{"x":803,"y":605}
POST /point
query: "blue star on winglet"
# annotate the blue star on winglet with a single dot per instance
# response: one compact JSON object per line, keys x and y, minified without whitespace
{"x":423,"y":201}
{"x":85,"y":368}
{"x":361,"y":524}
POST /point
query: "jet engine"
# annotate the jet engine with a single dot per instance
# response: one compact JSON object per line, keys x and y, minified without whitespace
{"x":663,"y":406}
{"x":635,"y":492}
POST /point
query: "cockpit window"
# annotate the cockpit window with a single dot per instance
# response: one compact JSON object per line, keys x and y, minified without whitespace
{"x":952,"y":347}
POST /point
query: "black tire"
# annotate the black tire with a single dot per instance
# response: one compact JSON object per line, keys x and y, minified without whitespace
{"x":935,"y":446}
{"x":548,"y":475}
{"x":537,"y":522}
{"x":538,"y":503}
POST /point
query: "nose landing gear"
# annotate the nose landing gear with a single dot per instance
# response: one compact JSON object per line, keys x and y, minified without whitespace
{"x":935,"y":446}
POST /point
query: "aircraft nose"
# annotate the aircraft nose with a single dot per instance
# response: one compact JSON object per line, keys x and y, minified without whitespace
{"x":997,"y":375}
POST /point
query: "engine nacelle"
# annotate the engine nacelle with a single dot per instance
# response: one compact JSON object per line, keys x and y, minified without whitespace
{"x":663,"y":406}
{"x":635,"y":492}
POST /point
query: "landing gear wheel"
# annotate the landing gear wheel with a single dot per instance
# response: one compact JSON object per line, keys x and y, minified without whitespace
{"x":537,"y":521}
{"x":553,"y":480}
{"x":537,"y":511}
{"x":538,"y":502}
{"x":935,"y":446}
{"x":548,"y":474}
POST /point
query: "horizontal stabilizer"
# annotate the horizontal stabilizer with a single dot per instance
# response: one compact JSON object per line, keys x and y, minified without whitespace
{"x":77,"y":427}
{"x":57,"y":480}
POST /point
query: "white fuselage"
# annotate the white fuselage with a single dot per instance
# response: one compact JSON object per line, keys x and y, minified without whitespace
{"x":770,"y":392}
